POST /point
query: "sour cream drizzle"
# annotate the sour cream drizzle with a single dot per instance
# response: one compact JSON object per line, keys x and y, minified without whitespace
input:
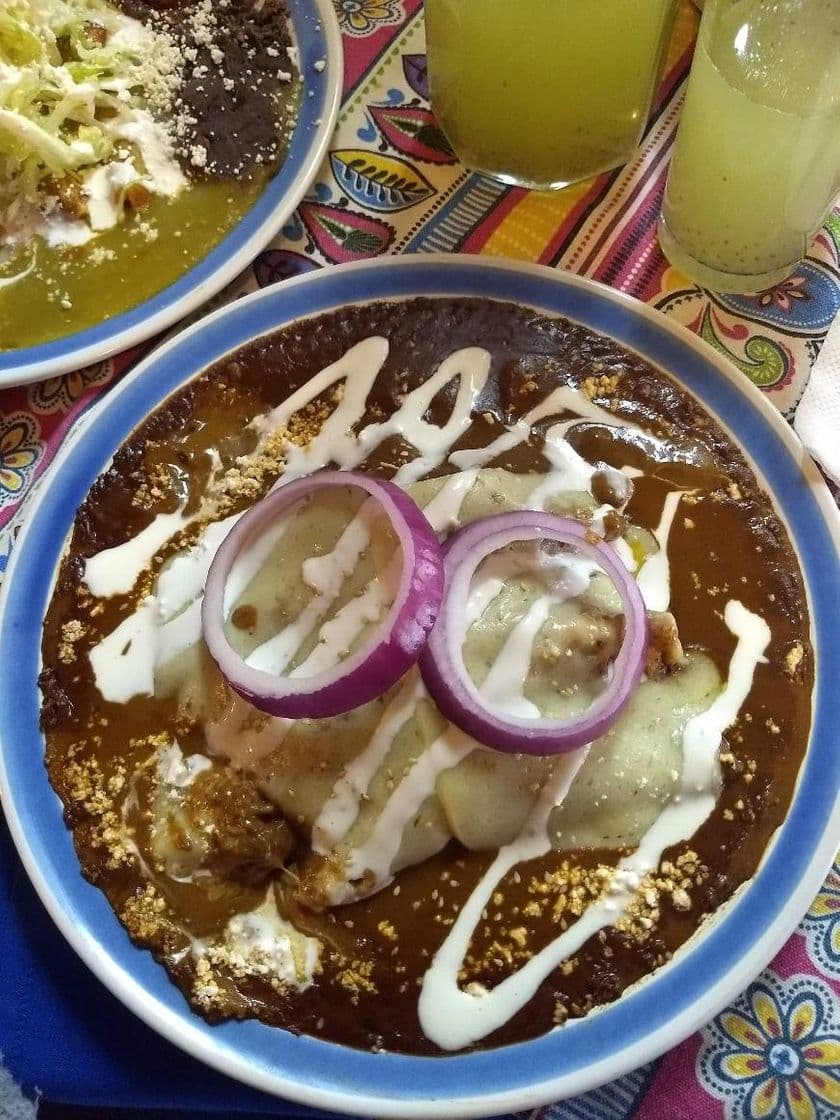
{"x":324,"y":574}
{"x":443,"y":512}
{"x":377,"y":854}
{"x":341,"y":808}
{"x":505,"y":684}
{"x":169,"y":623}
{"x":453,"y":1018}
{"x":114,"y":571}
{"x":124,"y":663}
{"x":562,"y":399}
{"x":337,"y":635}
{"x":7,"y":281}
{"x":654,"y":576}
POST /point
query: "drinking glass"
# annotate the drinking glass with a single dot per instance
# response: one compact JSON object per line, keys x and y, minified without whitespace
{"x":756,"y":164}
{"x":542,"y":93}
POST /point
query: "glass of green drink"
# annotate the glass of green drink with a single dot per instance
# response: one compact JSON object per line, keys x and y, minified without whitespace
{"x":756,"y":164}
{"x":542,"y":93}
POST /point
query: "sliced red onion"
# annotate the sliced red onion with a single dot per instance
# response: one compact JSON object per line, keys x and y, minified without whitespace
{"x":442,"y":660}
{"x":390,"y":650}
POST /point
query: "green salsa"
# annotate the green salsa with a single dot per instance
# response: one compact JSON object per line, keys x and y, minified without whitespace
{"x":69,"y":289}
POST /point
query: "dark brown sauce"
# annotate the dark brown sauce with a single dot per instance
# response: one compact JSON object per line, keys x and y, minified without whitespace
{"x":727,"y":543}
{"x":234,"y":85}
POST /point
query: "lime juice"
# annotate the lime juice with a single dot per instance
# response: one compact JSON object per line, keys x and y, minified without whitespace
{"x":545,"y":92}
{"x":756,"y":163}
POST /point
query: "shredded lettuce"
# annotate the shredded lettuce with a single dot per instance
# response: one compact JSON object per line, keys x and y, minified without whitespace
{"x":69,"y":73}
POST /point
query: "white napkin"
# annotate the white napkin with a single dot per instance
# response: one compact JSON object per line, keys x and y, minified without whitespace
{"x":817,"y":419}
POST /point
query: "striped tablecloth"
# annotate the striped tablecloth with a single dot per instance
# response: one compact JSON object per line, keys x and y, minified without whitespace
{"x":776,"y":1051}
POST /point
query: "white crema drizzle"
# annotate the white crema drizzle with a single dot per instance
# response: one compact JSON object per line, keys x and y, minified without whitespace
{"x":504,"y":684}
{"x":114,"y":571}
{"x":453,"y":1018}
{"x":654,"y":576}
{"x":161,"y":628}
{"x":169,"y":622}
{"x":377,"y":854}
{"x":323,"y":574}
{"x":342,"y":806}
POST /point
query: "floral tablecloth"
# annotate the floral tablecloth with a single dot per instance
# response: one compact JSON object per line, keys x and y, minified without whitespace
{"x":391,"y":184}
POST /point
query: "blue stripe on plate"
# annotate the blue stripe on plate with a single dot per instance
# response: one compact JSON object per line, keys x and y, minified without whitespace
{"x":306,"y":1068}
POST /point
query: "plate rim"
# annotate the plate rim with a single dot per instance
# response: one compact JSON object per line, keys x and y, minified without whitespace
{"x":187,"y":293}
{"x":176,"y":1026}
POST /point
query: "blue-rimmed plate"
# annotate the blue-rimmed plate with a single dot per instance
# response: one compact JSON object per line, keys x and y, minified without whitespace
{"x":718,"y":963}
{"x":318,"y":39}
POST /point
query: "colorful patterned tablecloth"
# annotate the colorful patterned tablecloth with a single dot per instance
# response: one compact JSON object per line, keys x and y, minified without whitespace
{"x":391,"y":184}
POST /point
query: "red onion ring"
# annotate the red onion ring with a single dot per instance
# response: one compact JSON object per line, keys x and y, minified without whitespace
{"x":395,"y":643}
{"x":442,"y":661}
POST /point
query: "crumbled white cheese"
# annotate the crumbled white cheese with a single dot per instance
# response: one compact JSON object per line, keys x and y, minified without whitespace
{"x":177,"y":771}
{"x":262,"y":943}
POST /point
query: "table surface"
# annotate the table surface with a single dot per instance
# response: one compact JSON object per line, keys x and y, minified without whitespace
{"x":776,"y":1051}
